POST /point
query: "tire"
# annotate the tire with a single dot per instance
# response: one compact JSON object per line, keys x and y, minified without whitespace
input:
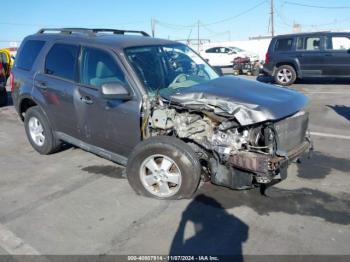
{"x":39,"y":132}
{"x":177,"y":158}
{"x":3,"y":97}
{"x":285,"y":75}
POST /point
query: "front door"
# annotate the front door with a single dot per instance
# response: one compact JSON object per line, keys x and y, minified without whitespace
{"x":111,"y":124}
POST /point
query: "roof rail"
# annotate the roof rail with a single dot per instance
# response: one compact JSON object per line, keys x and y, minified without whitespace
{"x":89,"y":31}
{"x":118,"y":31}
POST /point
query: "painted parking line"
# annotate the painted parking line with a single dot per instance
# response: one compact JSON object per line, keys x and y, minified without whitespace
{"x":324,"y":92}
{"x":14,"y":245}
{"x":330,"y":135}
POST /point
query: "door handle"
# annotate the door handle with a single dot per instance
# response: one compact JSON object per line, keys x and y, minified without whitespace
{"x":328,"y":55}
{"x":86,"y":100}
{"x":41,"y":84}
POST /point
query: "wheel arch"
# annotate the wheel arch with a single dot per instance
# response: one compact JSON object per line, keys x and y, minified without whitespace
{"x":27,"y":102}
{"x":293,"y":64}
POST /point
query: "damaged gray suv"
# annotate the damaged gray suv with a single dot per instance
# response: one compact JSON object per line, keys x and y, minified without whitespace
{"x":157,"y":108}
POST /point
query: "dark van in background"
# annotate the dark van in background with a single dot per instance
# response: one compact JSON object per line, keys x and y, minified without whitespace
{"x":320,"y":54}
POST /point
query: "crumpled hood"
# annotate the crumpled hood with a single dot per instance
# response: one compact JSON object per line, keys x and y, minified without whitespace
{"x":248,"y":101}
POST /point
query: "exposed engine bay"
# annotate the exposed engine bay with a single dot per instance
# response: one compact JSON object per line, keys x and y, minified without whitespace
{"x":235,"y":156}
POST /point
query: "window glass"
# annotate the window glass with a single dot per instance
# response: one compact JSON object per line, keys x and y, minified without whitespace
{"x":29,"y":53}
{"x":224,"y":50}
{"x":339,"y":43}
{"x":212,"y":50}
{"x":312,"y":43}
{"x":166,"y":68}
{"x":99,"y":67}
{"x":61,"y":61}
{"x":284,"y":44}
{"x":300,"y":43}
{"x":309,"y":43}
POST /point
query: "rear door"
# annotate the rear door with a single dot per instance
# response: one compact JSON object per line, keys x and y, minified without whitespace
{"x":111,"y":124}
{"x":337,"y":58}
{"x":311,"y":55}
{"x":57,"y":85}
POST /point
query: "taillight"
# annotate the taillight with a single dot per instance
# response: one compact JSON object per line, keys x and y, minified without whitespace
{"x":12,"y":82}
{"x":267,"y":58}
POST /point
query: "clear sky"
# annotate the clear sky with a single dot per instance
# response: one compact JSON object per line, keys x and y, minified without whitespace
{"x":177,"y":19}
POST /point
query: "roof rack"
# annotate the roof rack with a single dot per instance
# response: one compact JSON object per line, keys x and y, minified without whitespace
{"x":90,"y":31}
{"x":118,"y":31}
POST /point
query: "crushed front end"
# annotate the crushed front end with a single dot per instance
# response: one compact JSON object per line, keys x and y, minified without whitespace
{"x":232,"y":155}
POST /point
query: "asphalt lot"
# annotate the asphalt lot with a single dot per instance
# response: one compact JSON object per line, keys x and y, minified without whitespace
{"x":74,"y":202}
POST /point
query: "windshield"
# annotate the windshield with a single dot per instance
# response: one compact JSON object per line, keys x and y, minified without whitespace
{"x":169,"y":67}
{"x":237,"y":49}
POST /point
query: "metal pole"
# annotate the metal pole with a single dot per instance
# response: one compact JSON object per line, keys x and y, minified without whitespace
{"x":198,"y":38}
{"x":153,"y":27}
{"x":272,"y":19}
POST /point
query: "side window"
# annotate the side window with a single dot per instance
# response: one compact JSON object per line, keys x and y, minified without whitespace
{"x":61,"y":61}
{"x":29,"y":53}
{"x":338,"y":43}
{"x":211,"y":50}
{"x":309,"y":43}
{"x":223,"y":50}
{"x":99,"y":67}
{"x":300,"y":43}
{"x":284,"y":44}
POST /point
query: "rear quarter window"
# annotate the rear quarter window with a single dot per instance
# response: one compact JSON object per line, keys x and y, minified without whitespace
{"x":284,"y":44}
{"x":61,"y":61}
{"x":29,"y":52}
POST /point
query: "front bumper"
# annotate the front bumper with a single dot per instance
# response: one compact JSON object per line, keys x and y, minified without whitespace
{"x":267,"y":167}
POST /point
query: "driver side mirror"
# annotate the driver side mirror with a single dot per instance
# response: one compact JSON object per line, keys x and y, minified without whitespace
{"x":115,"y":90}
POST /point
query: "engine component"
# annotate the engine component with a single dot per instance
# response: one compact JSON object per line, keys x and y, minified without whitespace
{"x":193,"y":126}
{"x":225,"y":138}
{"x":232,"y":139}
{"x":163,"y":118}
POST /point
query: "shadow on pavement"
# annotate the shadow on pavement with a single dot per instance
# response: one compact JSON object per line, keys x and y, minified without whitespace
{"x":303,"y":201}
{"x":105,"y":170}
{"x":216,"y":231}
{"x":321,"y":165}
{"x":341,"y":110}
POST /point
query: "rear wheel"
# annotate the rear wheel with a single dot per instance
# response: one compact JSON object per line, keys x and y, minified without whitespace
{"x":164,"y":168}
{"x":285,"y":75}
{"x":39,"y":132}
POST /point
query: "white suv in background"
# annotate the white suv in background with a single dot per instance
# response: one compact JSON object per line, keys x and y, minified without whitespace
{"x":219,"y":56}
{"x":224,"y":56}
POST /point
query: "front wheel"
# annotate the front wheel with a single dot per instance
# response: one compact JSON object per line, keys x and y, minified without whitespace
{"x":164,"y":168}
{"x":285,"y":75}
